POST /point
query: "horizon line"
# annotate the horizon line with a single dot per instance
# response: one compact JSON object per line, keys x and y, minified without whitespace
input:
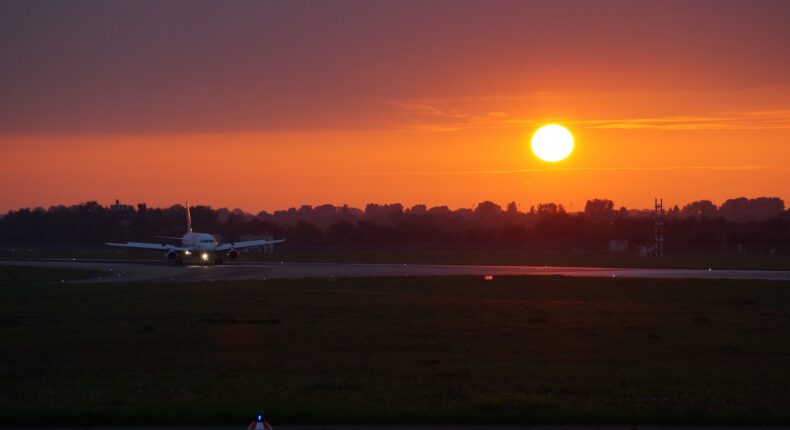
{"x":405,"y":207}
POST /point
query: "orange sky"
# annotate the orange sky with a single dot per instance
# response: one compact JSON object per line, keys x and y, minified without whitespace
{"x":266,"y":171}
{"x":684,"y":101}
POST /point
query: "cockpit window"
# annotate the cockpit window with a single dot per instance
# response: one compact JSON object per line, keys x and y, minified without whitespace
{"x":206,"y":241}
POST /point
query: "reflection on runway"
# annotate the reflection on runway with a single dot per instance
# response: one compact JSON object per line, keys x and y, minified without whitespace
{"x":147,"y":270}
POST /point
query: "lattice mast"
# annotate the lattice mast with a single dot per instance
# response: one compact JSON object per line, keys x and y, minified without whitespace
{"x":658,"y":249}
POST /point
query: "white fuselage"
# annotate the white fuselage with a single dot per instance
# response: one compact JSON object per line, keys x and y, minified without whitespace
{"x":199,"y":241}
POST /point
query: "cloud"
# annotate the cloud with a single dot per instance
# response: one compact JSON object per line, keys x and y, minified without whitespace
{"x":427,"y":116}
{"x":424,"y":116}
{"x":748,"y":120}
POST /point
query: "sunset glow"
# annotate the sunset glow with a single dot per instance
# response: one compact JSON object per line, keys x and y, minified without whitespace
{"x":267,"y":105}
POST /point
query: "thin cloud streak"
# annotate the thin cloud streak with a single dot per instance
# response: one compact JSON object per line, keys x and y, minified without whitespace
{"x":562,"y":169}
{"x":422,"y":116}
{"x":749,"y":120}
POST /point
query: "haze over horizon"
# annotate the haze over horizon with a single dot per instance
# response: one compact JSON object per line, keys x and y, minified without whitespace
{"x":270,"y":105}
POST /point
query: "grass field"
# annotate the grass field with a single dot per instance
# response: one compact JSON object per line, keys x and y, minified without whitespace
{"x":395,"y":350}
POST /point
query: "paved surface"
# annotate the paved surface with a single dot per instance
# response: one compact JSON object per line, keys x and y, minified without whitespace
{"x":147,"y":270}
{"x":418,"y":427}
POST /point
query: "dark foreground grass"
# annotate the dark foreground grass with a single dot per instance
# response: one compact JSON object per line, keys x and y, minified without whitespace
{"x":397,"y":350}
{"x":25,"y":276}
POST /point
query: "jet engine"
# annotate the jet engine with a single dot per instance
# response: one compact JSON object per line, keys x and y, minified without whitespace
{"x":171,"y":255}
{"x":233,"y":254}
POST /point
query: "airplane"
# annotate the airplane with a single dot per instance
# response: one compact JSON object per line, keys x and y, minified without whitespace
{"x":202,"y":245}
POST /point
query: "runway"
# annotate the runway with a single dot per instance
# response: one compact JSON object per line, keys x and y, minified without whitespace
{"x":157,"y":271}
{"x":416,"y":427}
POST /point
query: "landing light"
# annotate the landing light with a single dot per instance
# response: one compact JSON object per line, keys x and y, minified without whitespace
{"x":204,"y":256}
{"x":187,"y":253}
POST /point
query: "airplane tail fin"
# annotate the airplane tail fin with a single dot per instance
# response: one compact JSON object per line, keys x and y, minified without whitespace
{"x":189,"y":220}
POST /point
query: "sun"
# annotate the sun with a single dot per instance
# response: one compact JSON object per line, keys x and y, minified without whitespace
{"x":552,"y":143}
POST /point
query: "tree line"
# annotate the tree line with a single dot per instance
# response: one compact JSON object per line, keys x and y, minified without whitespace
{"x":760,"y":224}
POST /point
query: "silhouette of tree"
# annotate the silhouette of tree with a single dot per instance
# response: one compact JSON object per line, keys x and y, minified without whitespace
{"x":742,"y":210}
{"x":599,"y":209}
{"x":755,"y":225}
{"x":488,"y":211}
{"x":307,"y":233}
{"x":418,"y":210}
{"x":700,"y":209}
{"x":440,"y":211}
{"x":550,"y":209}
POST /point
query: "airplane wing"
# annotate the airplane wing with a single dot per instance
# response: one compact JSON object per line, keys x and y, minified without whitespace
{"x":247,"y":244}
{"x":144,"y":245}
{"x":168,"y":237}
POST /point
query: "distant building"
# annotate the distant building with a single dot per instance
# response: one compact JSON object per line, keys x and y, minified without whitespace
{"x":618,"y":246}
{"x":121,"y":208}
{"x":122,"y":214}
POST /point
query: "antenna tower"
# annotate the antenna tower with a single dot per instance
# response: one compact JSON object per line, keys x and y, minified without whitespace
{"x":658,"y":249}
